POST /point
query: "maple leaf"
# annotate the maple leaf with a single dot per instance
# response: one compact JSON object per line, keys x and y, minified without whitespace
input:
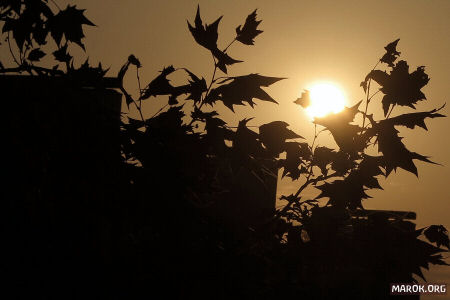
{"x":368,"y":169}
{"x":246,"y":141}
{"x":87,"y":73}
{"x":216,"y":134}
{"x":394,"y":151}
{"x":237,"y":90}
{"x":400,"y":87}
{"x":322,"y":157}
{"x":350,"y":191}
{"x":437,"y":234}
{"x":196,"y":87}
{"x":198,"y":114}
{"x":68,"y":22}
{"x":29,"y":21}
{"x":249,"y":31}
{"x":40,"y":32}
{"x":411,"y":120}
{"x":304,"y":100}
{"x":205,"y":35}
{"x":305,"y":153}
{"x":343,"y":193}
{"x":342,"y":162}
{"x":62,"y":55}
{"x":345,"y":134}
{"x":223,"y":60}
{"x":20,"y":29}
{"x":160,"y":85}
{"x":36,"y":54}
{"x":274,"y":135}
{"x":391,"y":53}
{"x":294,"y":153}
{"x":170,"y":120}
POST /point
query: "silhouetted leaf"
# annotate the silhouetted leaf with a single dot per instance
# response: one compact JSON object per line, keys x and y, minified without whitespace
{"x":363,"y":84}
{"x":323,"y":156}
{"x":342,"y":162}
{"x":343,"y":193}
{"x":437,"y":234}
{"x":197,"y":114}
{"x":223,"y":60}
{"x":242,"y":89}
{"x":62,"y":55}
{"x":160,"y":85}
{"x":391,"y":53}
{"x":134,"y":61}
{"x":394,"y":151}
{"x":304,"y":100}
{"x":86,"y":72}
{"x":40,"y":32}
{"x":170,"y":120}
{"x":197,"y":87}
{"x":249,"y":31}
{"x":350,"y":191}
{"x":68,"y":22}
{"x":20,"y":28}
{"x":294,"y":153}
{"x":274,"y":135}
{"x":205,"y":35}
{"x":27,"y":21}
{"x":246,"y":140}
{"x":400,"y":87}
{"x":216,"y":134}
{"x":412,"y":120}
{"x":173,"y":100}
{"x":346,"y":135}
{"x":36,"y":54}
{"x":368,"y":169}
{"x":437,"y":260}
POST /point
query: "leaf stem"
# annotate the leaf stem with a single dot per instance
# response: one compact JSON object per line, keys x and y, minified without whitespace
{"x":315,"y":137}
{"x":159,"y":110}
{"x":370,"y":98}
{"x":139,"y":86}
{"x":305,"y":185}
{"x":389,"y":113}
{"x":211,"y":82}
{"x":208,"y":89}
{"x":226,"y":48}
{"x":10,"y":50}
{"x":367,"y":100}
{"x":56,"y":4}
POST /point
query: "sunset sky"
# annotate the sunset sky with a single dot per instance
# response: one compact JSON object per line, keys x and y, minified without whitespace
{"x":304,"y":41}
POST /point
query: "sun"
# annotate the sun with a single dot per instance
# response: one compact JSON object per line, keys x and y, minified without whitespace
{"x":326,"y":98}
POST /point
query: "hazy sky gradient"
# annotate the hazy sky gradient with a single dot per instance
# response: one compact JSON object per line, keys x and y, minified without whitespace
{"x":304,"y":41}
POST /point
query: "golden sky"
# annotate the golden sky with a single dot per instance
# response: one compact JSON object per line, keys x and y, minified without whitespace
{"x":305,"y":41}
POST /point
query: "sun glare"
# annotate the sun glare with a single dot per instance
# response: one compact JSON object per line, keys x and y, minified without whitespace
{"x":325,"y":98}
